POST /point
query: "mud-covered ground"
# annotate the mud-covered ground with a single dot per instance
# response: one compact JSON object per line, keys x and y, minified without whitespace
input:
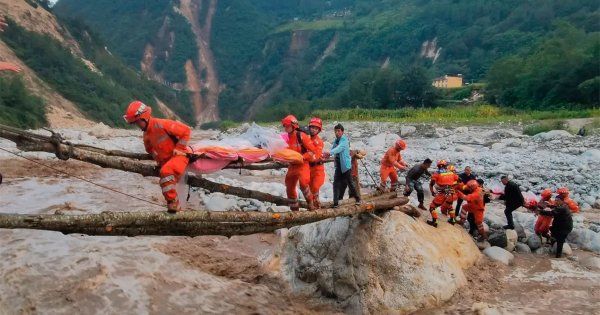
{"x":46,"y":272}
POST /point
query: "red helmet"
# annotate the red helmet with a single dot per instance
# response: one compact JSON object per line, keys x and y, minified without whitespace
{"x":136,"y":111}
{"x":316,"y":122}
{"x":290,"y":120}
{"x":451,"y":168}
{"x":546,"y":194}
{"x":400,"y":144}
{"x":442,"y":163}
{"x":532,"y":204}
{"x":563,"y":191}
{"x":472,"y":184}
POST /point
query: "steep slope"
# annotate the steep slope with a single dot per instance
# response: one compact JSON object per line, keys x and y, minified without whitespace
{"x":247,"y":53}
{"x":70,"y":68}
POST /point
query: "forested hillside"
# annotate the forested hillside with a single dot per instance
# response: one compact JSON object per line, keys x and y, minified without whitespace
{"x":275,"y":56}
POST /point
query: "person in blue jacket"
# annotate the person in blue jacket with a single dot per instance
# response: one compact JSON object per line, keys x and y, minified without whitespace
{"x":343,"y":167}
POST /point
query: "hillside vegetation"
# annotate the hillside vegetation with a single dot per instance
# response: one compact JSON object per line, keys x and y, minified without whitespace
{"x":273,"y":56}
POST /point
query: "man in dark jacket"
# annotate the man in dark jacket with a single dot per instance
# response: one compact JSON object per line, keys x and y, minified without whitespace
{"x":513,"y":199}
{"x":413,"y":181}
{"x":562,"y":224}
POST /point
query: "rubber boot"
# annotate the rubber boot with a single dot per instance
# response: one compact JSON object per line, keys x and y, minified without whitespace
{"x":294,"y":205}
{"x":452,"y":221}
{"x":310,"y":205}
{"x":433,"y":222}
{"x":173,"y":206}
{"x":317,"y":203}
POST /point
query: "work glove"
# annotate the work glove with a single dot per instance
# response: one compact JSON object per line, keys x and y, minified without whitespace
{"x":326,"y":155}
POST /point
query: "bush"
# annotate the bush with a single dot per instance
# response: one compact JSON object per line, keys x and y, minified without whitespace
{"x":18,"y":107}
{"x":544,"y":126}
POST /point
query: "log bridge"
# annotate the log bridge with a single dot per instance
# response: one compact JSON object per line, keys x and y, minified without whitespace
{"x":186,"y":223}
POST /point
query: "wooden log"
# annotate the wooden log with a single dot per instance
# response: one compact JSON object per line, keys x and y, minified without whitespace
{"x":32,"y":142}
{"x":188,"y":223}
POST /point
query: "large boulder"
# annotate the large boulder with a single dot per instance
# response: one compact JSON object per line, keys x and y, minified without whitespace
{"x":552,"y":135}
{"x":592,"y":155}
{"x":586,"y":239}
{"x":534,"y":242}
{"x":367,"y":267}
{"x":498,"y":238}
{"x":496,"y":253}
{"x":407,"y":130}
{"x":523,"y":248}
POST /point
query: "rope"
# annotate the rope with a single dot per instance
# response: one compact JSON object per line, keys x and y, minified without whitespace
{"x":83,"y":179}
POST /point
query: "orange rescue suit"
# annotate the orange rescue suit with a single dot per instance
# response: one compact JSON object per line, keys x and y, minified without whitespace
{"x":543,"y":222}
{"x":317,"y":168}
{"x":161,"y":138}
{"x":444,"y":180}
{"x":299,"y":172}
{"x":475,"y":205}
{"x":572,"y":205}
{"x":390,"y":161}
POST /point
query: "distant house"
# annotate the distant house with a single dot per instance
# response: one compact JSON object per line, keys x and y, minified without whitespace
{"x":448,"y":81}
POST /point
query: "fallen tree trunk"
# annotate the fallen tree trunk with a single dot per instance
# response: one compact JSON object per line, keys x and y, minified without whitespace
{"x":189,"y":223}
{"x":32,"y":142}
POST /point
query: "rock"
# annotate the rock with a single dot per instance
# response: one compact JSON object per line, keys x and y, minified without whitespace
{"x":534,"y":242}
{"x":496,"y":253}
{"x":535,"y":180}
{"x":510,"y":247}
{"x":350,"y":262}
{"x":567,"y":251}
{"x":217,"y":202}
{"x":407,"y":130}
{"x":523,"y":248}
{"x":377,"y":142}
{"x":520,"y":231}
{"x":511,"y":235}
{"x":442,"y":132}
{"x":101,"y":131}
{"x":553,"y":135}
{"x":483,"y":245}
{"x":589,"y":199}
{"x":591,"y":155}
{"x":579,"y":179}
{"x":585,"y":238}
{"x":464,"y":148}
{"x":498,"y":238}
{"x":597,"y":204}
{"x":542,"y":251}
{"x":461,"y":130}
{"x":433,"y":145}
{"x":480,"y":308}
{"x":591,"y":262}
{"x":498,"y":146}
{"x":390,"y":139}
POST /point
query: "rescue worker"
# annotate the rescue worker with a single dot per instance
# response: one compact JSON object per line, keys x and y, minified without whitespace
{"x":317,"y":167}
{"x":301,"y":143}
{"x":475,"y":205}
{"x":391,"y":161}
{"x":564,"y":192}
{"x":445,"y":182}
{"x":464,"y":178}
{"x":513,"y":199}
{"x":167,"y":141}
{"x":413,"y":181}
{"x":343,"y":167}
{"x":543,"y":223}
{"x":562,"y":224}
